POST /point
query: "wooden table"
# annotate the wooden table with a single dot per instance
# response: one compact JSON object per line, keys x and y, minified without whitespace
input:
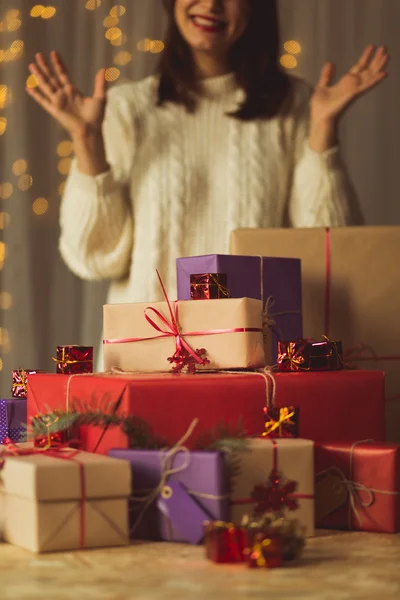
{"x":335,"y":566}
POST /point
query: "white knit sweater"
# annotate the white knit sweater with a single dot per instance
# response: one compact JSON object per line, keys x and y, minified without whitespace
{"x":179,"y":183}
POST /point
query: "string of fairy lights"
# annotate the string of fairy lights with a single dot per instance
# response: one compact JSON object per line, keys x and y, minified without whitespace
{"x":13,"y":48}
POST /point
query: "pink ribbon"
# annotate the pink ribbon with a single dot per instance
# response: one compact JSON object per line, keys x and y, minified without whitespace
{"x":173,"y":329}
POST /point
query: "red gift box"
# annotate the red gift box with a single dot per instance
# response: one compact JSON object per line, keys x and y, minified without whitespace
{"x":358,"y":486}
{"x":341,"y":405}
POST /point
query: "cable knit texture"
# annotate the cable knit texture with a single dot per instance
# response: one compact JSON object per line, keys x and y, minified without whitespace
{"x":179,"y":183}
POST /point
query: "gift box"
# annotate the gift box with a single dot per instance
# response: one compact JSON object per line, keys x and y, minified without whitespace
{"x":275,"y":475}
{"x":65,"y":500}
{"x":74,"y":359}
{"x":20,"y":382}
{"x":183,"y":489}
{"x":148,"y":338}
{"x":224,"y":542}
{"x":208,"y":286}
{"x":275,"y":281}
{"x":304,"y":355}
{"x":358,"y":486}
{"x":332,"y":405}
{"x":281,"y":422}
{"x":350,"y":293}
{"x":13,"y":419}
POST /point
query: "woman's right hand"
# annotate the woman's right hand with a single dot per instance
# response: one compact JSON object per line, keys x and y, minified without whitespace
{"x":58,"y":95}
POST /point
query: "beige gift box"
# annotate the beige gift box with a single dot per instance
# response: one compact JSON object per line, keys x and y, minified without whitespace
{"x":364,"y":292}
{"x":295,"y":462}
{"x":235,"y":350}
{"x":42,"y":508}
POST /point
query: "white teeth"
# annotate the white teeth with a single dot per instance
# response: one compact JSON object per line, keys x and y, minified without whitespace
{"x":207,"y":22}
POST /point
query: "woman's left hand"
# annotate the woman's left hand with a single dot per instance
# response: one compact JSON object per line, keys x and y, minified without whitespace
{"x":329,"y":101}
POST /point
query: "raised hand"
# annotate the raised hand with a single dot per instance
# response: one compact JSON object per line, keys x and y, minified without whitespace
{"x":329,"y":101}
{"x":59,"y":96}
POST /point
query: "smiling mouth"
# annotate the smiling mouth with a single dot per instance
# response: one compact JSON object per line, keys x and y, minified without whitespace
{"x":208,"y":24}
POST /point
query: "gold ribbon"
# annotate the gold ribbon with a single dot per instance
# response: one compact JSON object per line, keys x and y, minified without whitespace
{"x":23,"y":382}
{"x":67,"y":361}
{"x":284,"y":415}
{"x":222,"y":289}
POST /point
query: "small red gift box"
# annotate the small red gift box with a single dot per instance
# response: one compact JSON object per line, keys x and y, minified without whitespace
{"x":224,"y":542}
{"x":19,"y":387}
{"x":74,"y":359}
{"x":208,"y":286}
{"x":358,"y":486}
{"x":305,"y":355}
{"x":281,"y":422}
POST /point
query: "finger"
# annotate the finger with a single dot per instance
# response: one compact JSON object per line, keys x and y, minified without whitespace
{"x":380,"y":60}
{"x":100,"y":85}
{"x":364,"y":59}
{"x":40,"y":99}
{"x":373,"y":81}
{"x":60,"y":69}
{"x":47,"y":73}
{"x":327,"y":74}
{"x":44,"y":85}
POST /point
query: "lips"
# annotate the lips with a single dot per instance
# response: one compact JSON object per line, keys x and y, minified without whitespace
{"x":209,"y":24}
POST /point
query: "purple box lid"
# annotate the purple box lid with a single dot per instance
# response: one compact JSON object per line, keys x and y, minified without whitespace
{"x":194,"y":494}
{"x":13,"y":415}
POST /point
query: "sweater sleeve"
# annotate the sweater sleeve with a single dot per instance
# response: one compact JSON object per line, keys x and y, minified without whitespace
{"x":95,"y":219}
{"x":322,"y":194}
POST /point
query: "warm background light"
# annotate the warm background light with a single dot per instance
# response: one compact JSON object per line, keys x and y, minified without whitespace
{"x":25,"y":182}
{"x":64,"y":166}
{"x":5,"y":300}
{"x":19,"y":167}
{"x":6,"y":190}
{"x":3,"y":125}
{"x":292,"y":47}
{"x":288,"y":61}
{"x":65,"y":148}
{"x":112,"y":74}
{"x":40,"y":206}
{"x":93,"y":4}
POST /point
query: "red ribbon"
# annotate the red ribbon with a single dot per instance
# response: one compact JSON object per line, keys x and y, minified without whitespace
{"x":173,"y":329}
{"x":274,"y":496}
{"x":63,"y":452}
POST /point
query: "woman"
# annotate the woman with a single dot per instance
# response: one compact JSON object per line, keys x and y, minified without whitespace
{"x":221,"y":138}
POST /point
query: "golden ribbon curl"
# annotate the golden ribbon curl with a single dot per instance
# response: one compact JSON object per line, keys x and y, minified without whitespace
{"x":67,"y":361}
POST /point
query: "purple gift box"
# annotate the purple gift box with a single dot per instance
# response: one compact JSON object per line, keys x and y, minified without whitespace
{"x":13,"y":419}
{"x":174,"y":507}
{"x":276,"y":281}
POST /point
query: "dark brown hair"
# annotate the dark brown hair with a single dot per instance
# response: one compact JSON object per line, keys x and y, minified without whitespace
{"x":254,"y":59}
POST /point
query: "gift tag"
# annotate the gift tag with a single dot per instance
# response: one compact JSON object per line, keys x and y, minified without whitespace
{"x":330,"y":494}
{"x":184,"y":513}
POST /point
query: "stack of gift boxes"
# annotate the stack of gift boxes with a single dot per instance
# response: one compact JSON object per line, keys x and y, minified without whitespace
{"x":216,"y":420}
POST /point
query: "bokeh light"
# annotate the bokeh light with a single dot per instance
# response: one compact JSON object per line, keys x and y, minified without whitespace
{"x":112,"y":74}
{"x":292,"y":47}
{"x":92,"y":4}
{"x":122,"y":58}
{"x":40,"y":206}
{"x":61,"y":188}
{"x":65,"y":148}
{"x":4,"y":340}
{"x":48,"y":12}
{"x":4,"y":94}
{"x":156,"y":46}
{"x":32,"y":82}
{"x":3,"y":253}
{"x":120,"y":41}
{"x":64,"y":166}
{"x":5,"y":300}
{"x":19,"y":167}
{"x":113,"y":33}
{"x":3,"y":125}
{"x":37,"y":10}
{"x":117,"y":11}
{"x":110,"y":21}
{"x":6,"y":190}
{"x":25,"y":182}
{"x":288,"y":61}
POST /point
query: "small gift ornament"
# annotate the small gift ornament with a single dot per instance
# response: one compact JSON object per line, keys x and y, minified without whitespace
{"x":265,"y":550}
{"x":208,"y":286}
{"x":74,"y":359}
{"x":273,"y":539}
{"x":282,"y":422}
{"x":19,"y":387}
{"x":224,"y":542}
{"x":305,"y":355}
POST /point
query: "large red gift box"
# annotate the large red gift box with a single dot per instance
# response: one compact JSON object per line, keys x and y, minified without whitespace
{"x":340,"y":405}
{"x":358,"y":486}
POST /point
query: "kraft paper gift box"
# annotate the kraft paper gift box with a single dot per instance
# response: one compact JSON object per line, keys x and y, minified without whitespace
{"x":274,"y":280}
{"x":194,"y":493}
{"x":125,"y":323}
{"x":294,"y":461}
{"x":13,"y":419}
{"x":44,"y":506}
{"x":351,"y":290}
